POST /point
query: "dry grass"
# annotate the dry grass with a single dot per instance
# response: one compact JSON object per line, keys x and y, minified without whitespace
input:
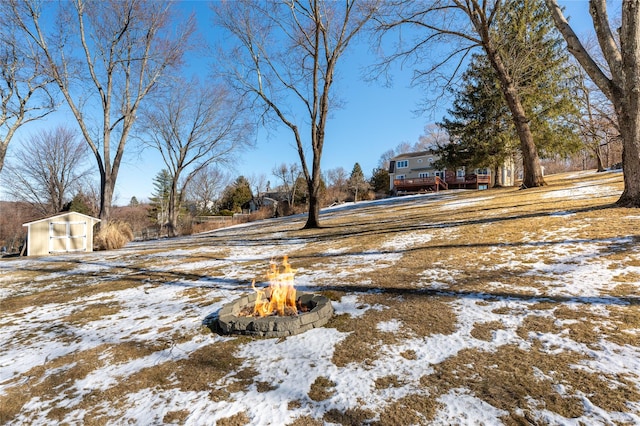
{"x":497,"y":270}
{"x":113,"y":235}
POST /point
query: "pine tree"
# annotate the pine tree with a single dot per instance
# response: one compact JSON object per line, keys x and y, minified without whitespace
{"x":357,"y":183}
{"x":481,"y":128}
{"x":380,"y":180}
{"x":237,"y":194}
{"x":547,"y":80}
{"x":160,"y":197}
{"x":80,"y":204}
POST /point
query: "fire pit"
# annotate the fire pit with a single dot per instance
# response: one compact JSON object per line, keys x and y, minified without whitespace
{"x":228,"y":320}
{"x":273,"y":312}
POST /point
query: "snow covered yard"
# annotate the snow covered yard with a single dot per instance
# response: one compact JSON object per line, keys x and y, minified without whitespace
{"x":465,"y":307}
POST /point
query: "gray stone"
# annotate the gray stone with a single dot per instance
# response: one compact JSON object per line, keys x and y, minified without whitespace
{"x":228,"y":321}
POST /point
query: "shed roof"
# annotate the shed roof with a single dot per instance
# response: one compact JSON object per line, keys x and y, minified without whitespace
{"x":94,"y":219}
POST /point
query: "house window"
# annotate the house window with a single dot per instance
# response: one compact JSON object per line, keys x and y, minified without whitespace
{"x":402,"y":164}
{"x":460,"y":173}
{"x":484,"y":171}
{"x":439,"y":173}
{"x":419,"y":160}
{"x":423,"y":175}
{"x":430,"y":160}
{"x":400,"y":177}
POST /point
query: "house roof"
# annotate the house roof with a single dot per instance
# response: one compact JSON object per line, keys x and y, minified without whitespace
{"x":95,"y":220}
{"x":413,"y":155}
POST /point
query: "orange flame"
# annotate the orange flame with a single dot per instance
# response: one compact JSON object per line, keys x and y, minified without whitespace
{"x":282,"y":300}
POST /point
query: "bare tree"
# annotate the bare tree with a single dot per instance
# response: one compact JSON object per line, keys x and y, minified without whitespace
{"x":206,"y":187}
{"x":285,"y":58}
{"x":618,"y":80}
{"x":337,"y":184}
{"x":192,"y":126}
{"x":288,"y":176}
{"x":385,"y":159}
{"x":598,"y":124}
{"x":468,"y":24}
{"x":48,"y":169}
{"x":432,"y":137}
{"x":105,"y":57}
{"x":258,"y":183}
{"x":24,"y":83}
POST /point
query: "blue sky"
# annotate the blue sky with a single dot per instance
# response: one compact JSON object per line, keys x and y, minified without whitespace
{"x":373,"y":120}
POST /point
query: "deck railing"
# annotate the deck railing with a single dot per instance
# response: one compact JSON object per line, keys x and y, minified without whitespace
{"x":436,"y":181}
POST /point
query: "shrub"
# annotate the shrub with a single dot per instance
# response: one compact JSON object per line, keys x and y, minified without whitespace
{"x":265,"y":212}
{"x":113,"y":235}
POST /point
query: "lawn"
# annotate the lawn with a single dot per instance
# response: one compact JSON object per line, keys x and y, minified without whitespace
{"x":459,"y":307}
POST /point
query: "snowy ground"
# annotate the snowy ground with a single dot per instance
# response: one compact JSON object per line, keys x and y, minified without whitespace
{"x":560,"y":288}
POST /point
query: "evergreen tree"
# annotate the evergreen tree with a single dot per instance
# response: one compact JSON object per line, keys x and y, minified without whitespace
{"x":357,"y":183}
{"x":237,"y":194}
{"x":380,"y":180}
{"x":160,"y":197}
{"x":134,"y":202}
{"x":80,"y":204}
{"x":481,"y":128}
{"x":544,"y":74}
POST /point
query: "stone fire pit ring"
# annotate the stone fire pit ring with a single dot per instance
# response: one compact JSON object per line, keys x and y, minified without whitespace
{"x":227,"y":321}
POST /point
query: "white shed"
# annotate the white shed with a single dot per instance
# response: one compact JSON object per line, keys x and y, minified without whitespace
{"x":62,"y":233}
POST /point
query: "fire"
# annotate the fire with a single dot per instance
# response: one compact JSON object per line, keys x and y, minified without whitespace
{"x":282,"y":299}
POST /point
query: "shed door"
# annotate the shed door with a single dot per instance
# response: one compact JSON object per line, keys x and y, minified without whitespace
{"x":67,"y":236}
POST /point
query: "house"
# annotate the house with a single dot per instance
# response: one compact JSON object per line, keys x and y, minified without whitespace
{"x":415,"y":172}
{"x":62,"y":233}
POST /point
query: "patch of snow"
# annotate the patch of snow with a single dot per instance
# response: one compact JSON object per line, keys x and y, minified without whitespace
{"x":349,"y":305}
{"x":405,"y":241}
{"x":468,"y":202}
{"x":583,"y":190}
{"x":390,"y":326}
{"x":463,"y":408}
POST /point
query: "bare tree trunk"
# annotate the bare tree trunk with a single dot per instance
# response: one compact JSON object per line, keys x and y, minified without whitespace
{"x":106,"y":189}
{"x":628,"y":103}
{"x":313,"y":218}
{"x":172,"y":214}
{"x":598,"y":154}
{"x":630,"y":133}
{"x":3,"y":153}
{"x":497,"y":177}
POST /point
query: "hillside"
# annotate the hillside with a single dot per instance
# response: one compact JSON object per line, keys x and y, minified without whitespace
{"x":460,"y":307}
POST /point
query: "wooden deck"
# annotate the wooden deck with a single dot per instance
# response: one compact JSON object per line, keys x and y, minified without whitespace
{"x":435,"y":184}
{"x":470,"y":181}
{"x":429,"y":184}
